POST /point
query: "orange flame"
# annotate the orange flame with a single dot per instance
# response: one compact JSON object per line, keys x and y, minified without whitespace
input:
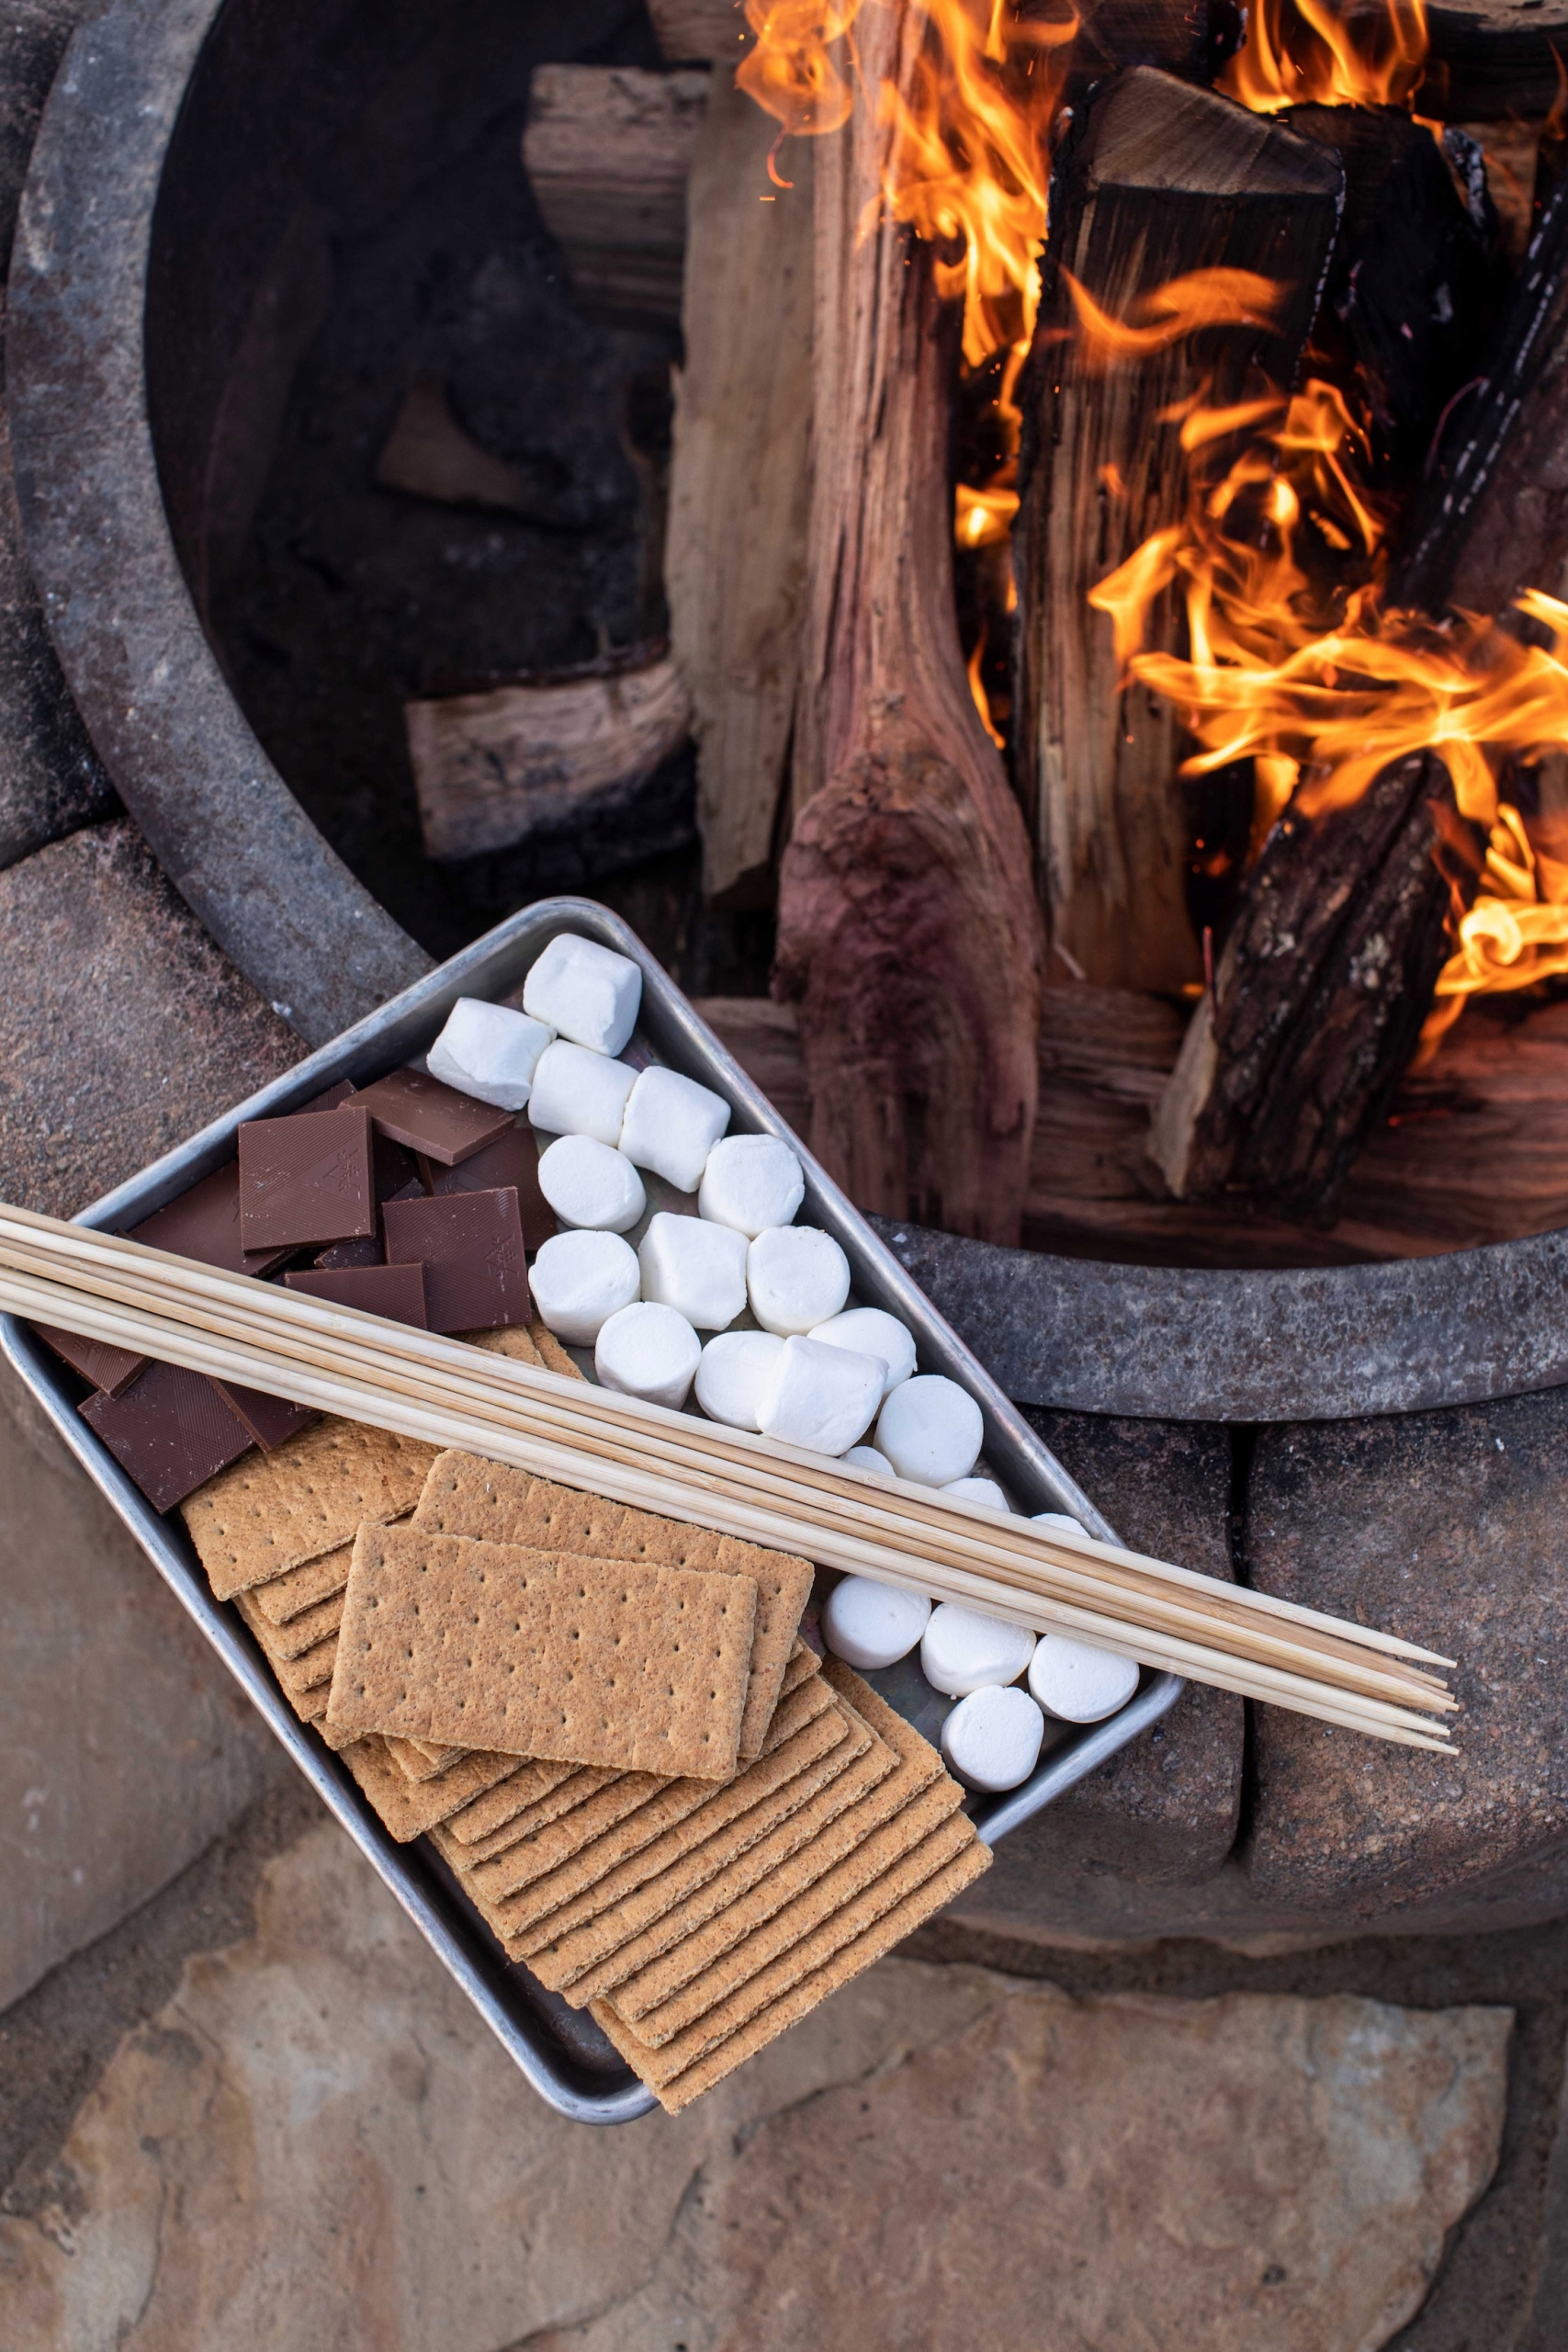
{"x":1306,"y":53}
{"x":1205,"y":298}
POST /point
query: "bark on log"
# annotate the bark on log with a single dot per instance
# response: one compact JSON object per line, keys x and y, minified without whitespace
{"x":908,"y":931}
{"x":1319,"y":998}
{"x":739,"y":493}
{"x":1163,"y":179}
{"x":607,"y":150}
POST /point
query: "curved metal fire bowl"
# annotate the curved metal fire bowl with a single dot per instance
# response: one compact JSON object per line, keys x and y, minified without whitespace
{"x":126,"y":270}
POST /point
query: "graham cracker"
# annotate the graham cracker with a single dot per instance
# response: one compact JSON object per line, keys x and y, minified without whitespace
{"x":698,"y":1935}
{"x":580,"y":1661}
{"x":839,"y":1909}
{"x":415,"y":1761}
{"x":467,"y":1496}
{"x":510,"y":1341}
{"x":288,"y":1596}
{"x":506,"y":1799}
{"x":408,"y":1811}
{"x":306,"y":1632}
{"x":550,"y":1804}
{"x":269,"y":1512}
{"x":631,"y":1904}
{"x":798,"y":1999}
{"x":552,"y":1355}
{"x":311,"y":1671}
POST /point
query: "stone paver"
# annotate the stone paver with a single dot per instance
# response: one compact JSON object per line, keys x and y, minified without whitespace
{"x":124,"y":1746}
{"x":122,"y":1027}
{"x":313,"y":2145}
{"x":1450,"y":1529}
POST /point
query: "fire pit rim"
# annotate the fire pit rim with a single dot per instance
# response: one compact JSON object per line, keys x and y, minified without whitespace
{"x":1168,"y":1343}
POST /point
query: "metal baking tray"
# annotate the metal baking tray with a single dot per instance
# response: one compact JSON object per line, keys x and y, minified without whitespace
{"x":559,"y":2050}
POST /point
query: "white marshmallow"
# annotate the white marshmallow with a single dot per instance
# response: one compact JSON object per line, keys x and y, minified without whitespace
{"x":671,"y":1124}
{"x":1078,"y":1681}
{"x":978,"y":1491}
{"x":797,"y":1278}
{"x":931,"y":1430}
{"x":733,"y":1373}
{"x":587,"y":992}
{"x":580,"y":1093}
{"x":587,"y":1184}
{"x":1057,"y":1519}
{"x":963,"y":1651}
{"x":649,"y":1351}
{"x":697,"y":1269}
{"x":579,"y":1280}
{"x":991,"y":1740}
{"x":750,"y":1182}
{"x":489,"y":1051}
{"x":817,"y":1397}
{"x":869,"y":1625}
{"x":872,"y":1333}
{"x":867,"y":1457}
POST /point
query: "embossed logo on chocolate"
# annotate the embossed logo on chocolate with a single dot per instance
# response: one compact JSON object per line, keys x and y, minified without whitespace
{"x":339,"y":1173}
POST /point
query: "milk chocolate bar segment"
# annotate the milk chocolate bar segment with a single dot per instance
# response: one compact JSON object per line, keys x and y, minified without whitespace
{"x":271,"y":1420}
{"x":395,"y":1291}
{"x":513,"y":1158}
{"x":426,"y":1116}
{"x":111,"y":1370}
{"x":305,"y":1179}
{"x":171,"y":1431}
{"x":204,"y":1224}
{"x":476,"y":1276}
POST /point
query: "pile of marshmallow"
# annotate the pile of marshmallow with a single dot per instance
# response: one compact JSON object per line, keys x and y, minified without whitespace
{"x":815,"y":1372}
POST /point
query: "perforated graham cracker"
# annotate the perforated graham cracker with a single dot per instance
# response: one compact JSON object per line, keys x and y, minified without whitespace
{"x":270,"y":1512}
{"x":306,"y":1632}
{"x":286,"y":1597}
{"x":407,"y":1810}
{"x":550,"y":1804}
{"x":630,"y":1904}
{"x":581,"y":1661}
{"x":705,"y":1931}
{"x":500,"y":1805}
{"x":416,"y":1761}
{"x":511,"y":1340}
{"x":618,"y":1802}
{"x":467,"y":1495}
{"x":798,"y":1999}
{"x":311,"y":1671}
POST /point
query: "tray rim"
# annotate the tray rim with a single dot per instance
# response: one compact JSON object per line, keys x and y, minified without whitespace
{"x":493,"y":966}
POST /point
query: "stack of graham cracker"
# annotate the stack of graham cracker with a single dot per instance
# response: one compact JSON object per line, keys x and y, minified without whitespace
{"x":506,"y":1668}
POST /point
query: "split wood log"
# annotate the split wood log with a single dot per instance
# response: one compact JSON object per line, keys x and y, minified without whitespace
{"x":1163,"y":179}
{"x":711,"y":32}
{"x":607,"y":150}
{"x":493,"y":769}
{"x":1320,"y":996}
{"x":740,"y":491}
{"x":908,"y":931}
{"x":1492,"y":61}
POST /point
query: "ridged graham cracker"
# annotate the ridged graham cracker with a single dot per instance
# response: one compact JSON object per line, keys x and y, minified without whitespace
{"x":552,"y":1355}
{"x":270,"y":1512}
{"x":824,"y":1732}
{"x":828,"y":1764}
{"x":536,"y":1813}
{"x":288,"y":1596}
{"x":796,"y":1999}
{"x":910,"y":1800}
{"x":510,"y":1341}
{"x":306,"y":1632}
{"x":420,"y":1760}
{"x":577,"y":1660}
{"x":311,"y":1671}
{"x":841,"y":1912}
{"x":407,"y":1810}
{"x":467,"y":1495}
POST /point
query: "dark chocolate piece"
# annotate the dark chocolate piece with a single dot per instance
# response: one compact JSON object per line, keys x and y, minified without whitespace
{"x":170,"y":1432}
{"x":395,"y":1291}
{"x":205,"y":1224}
{"x":396,"y":1171}
{"x":305,"y":1179}
{"x":364,"y":1250}
{"x":511,"y":1159}
{"x":110,"y":1370}
{"x":332,"y":1100}
{"x":271,"y":1420}
{"x":427,"y":1116}
{"x":476,"y":1276}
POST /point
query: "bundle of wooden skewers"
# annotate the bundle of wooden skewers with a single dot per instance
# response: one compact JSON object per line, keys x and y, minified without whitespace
{"x":449,"y":1394}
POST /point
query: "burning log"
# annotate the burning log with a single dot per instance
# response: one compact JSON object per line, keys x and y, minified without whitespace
{"x":739,"y":493}
{"x":1319,"y":998}
{"x":607,"y":150}
{"x":908,"y":931}
{"x":1164,"y":181}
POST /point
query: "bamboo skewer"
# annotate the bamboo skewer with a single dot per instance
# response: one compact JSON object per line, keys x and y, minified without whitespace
{"x":450,"y":1393}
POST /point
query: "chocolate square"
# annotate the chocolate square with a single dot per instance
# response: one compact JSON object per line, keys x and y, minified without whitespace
{"x":271,"y":1420}
{"x":110,"y":1370}
{"x":395,"y":1291}
{"x":476,"y":1275}
{"x":513,"y":1158}
{"x":364,"y":1250}
{"x":305,"y":1179}
{"x":170,"y":1432}
{"x":205,"y":1224}
{"x":396,"y":1169}
{"x":421,"y":1113}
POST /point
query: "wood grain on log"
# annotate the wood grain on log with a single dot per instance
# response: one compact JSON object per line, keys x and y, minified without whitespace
{"x":1319,"y":998}
{"x":1162,"y":180}
{"x":908,"y":931}
{"x":491,"y":769}
{"x":607,"y":150}
{"x":739,"y":494}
